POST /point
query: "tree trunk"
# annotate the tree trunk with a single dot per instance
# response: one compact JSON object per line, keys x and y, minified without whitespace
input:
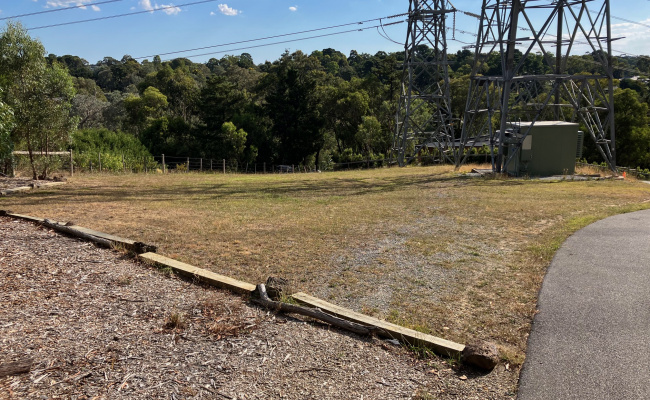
{"x":316,"y":313}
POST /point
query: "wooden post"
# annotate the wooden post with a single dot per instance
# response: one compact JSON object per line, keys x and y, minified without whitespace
{"x":71,"y":164}
{"x":255,"y":168}
{"x":265,"y":167}
{"x":144,"y":159}
{"x":224,"y":166}
{"x":201,"y":166}
{"x":123,"y":164}
{"x":12,"y":166}
{"x":99,"y":156}
{"x":163,"y":163}
{"x":210,"y":164}
{"x":188,"y":165}
{"x":91,"y":166}
{"x":293,"y":168}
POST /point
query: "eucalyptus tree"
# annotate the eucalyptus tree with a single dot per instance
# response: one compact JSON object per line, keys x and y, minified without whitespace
{"x":40,"y":95}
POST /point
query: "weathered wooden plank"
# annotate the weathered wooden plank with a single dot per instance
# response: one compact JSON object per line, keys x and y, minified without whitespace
{"x":38,"y":153}
{"x":49,"y":184}
{"x":17,"y":190}
{"x":386,"y":329}
{"x":128,"y":244}
{"x":23,"y":217}
{"x":201,"y":274}
{"x":103,"y":235}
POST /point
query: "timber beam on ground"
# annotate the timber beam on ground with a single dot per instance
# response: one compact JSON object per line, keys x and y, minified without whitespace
{"x":386,"y":329}
{"x":86,"y":233}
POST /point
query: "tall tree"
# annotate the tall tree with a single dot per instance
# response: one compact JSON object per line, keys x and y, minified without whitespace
{"x":293,"y":107}
{"x":39,"y":94}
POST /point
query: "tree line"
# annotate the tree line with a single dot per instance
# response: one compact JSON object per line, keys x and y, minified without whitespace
{"x":304,"y":109}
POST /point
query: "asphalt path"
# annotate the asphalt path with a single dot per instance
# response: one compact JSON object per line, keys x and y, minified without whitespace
{"x":591,"y":336}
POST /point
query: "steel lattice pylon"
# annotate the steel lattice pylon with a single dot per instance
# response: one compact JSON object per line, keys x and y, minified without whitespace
{"x":424,"y":113}
{"x":554,"y":29}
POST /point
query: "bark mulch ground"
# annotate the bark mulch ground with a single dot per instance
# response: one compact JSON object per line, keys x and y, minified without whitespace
{"x":96,"y":325}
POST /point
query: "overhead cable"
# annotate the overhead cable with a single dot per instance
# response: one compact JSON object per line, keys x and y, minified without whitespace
{"x":123,"y":15}
{"x":59,"y":9}
{"x":271,"y":37}
{"x":288,"y":41}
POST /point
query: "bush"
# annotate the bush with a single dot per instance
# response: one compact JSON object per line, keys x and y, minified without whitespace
{"x":88,"y":144}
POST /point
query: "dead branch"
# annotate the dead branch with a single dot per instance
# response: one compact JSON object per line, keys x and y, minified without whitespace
{"x":316,"y":313}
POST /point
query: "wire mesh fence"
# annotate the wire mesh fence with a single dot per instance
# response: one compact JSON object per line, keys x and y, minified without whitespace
{"x":99,"y":162}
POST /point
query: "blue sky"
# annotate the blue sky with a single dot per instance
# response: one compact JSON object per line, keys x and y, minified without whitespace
{"x":226,"y":21}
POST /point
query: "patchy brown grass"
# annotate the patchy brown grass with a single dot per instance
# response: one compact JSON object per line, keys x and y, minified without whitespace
{"x":454,"y":256}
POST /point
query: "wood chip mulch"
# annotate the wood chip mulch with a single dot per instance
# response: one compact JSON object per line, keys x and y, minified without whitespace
{"x":94,"y":324}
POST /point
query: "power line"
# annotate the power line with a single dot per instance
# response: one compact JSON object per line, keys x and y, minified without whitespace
{"x":271,"y":37}
{"x":59,"y":9}
{"x":123,"y":15}
{"x":289,"y":41}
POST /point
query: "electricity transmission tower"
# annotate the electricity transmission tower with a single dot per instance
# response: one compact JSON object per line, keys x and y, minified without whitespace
{"x":518,"y":32}
{"x":424,"y":117}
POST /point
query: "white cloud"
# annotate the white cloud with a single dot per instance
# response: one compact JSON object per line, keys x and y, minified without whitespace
{"x":293,"y":8}
{"x":225,"y":10}
{"x":634,"y":37}
{"x":146,"y":4}
{"x":170,"y":11}
{"x":70,"y":3}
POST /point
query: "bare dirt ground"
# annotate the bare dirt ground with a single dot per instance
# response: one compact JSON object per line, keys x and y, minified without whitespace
{"x":98,"y":325}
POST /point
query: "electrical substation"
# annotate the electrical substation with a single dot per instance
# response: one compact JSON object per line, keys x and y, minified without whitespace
{"x":528,"y":118}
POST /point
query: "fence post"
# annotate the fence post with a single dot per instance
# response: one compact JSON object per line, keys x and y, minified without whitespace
{"x":255,"y":168}
{"x":201,"y":166}
{"x":224,"y":166}
{"x":188,"y":165}
{"x":71,"y":164}
{"x":265,"y":167}
{"x":123,"y":164}
{"x":144,"y":165}
{"x":99,"y":156}
{"x":91,"y":166}
{"x":210,"y":164}
{"x":293,"y":169}
{"x":163,"y":163}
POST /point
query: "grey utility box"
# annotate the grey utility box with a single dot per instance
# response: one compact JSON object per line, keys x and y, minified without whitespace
{"x":550,"y":148}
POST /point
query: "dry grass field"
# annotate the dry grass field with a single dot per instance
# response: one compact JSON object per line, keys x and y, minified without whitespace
{"x":427,"y":248}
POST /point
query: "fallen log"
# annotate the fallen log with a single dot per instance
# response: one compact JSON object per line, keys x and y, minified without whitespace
{"x":315,"y":313}
{"x":15,"y":368}
{"x":73,"y":232}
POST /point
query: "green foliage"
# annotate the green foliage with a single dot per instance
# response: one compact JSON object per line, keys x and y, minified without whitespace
{"x":6,"y":125}
{"x":40,"y":95}
{"x":233,"y":141}
{"x":632,"y":131}
{"x":88,"y":144}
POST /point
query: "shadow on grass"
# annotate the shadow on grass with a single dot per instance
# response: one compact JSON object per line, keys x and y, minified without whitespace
{"x":255,"y":190}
